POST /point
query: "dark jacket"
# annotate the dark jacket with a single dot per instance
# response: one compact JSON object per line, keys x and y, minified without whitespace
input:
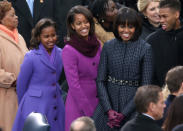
{"x":42,"y":9}
{"x":141,"y":123}
{"x":167,"y":52}
{"x":147,"y":28}
{"x":122,"y":61}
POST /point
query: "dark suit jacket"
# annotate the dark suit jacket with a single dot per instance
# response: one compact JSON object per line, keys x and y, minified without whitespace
{"x":47,"y":8}
{"x":141,"y":123}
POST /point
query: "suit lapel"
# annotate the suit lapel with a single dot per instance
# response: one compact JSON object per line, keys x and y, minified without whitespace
{"x":23,"y":7}
{"x":45,"y":60}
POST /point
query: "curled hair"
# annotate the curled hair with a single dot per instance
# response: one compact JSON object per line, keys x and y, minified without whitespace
{"x":130,"y":17}
{"x":172,"y":4}
{"x":175,"y":114}
{"x":5,"y":6}
{"x":88,"y":124}
{"x":142,"y":4}
{"x":98,"y":8}
{"x":36,"y":32}
{"x":174,"y":79}
{"x":145,"y":95}
{"x":71,"y":17}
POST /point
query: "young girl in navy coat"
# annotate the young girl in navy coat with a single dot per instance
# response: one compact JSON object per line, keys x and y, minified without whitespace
{"x":37,"y":85}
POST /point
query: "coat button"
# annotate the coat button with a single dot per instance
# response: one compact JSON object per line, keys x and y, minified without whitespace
{"x":93,"y":63}
{"x":53,"y":72}
{"x":55,"y":96}
{"x":55,"y":107}
{"x":55,"y":118}
{"x":53,"y":84}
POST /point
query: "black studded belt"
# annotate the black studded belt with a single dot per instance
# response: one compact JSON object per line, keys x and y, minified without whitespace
{"x":123,"y":82}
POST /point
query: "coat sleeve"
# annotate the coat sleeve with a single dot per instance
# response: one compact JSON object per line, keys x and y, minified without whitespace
{"x":147,"y":67}
{"x":24,"y":76}
{"x":70,"y":61}
{"x":6,"y":78}
{"x":101,"y":81}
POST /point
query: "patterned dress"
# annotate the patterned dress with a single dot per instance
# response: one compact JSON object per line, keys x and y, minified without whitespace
{"x":131,"y":62}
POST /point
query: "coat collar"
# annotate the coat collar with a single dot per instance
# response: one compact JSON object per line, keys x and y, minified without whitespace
{"x":45,"y":60}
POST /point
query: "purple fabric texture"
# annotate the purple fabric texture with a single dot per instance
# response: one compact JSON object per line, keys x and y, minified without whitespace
{"x":38,"y":89}
{"x":81,"y":74}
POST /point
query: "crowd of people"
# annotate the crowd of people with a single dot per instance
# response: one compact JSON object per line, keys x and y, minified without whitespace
{"x":117,"y":56}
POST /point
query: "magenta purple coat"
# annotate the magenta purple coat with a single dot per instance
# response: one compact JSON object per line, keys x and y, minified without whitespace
{"x":81,"y":74}
{"x":38,"y":89}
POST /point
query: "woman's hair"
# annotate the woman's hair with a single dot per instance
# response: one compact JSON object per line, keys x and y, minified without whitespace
{"x":175,"y":114}
{"x":130,"y":17}
{"x":142,"y":4}
{"x":98,"y":8}
{"x":36,"y":32}
{"x":71,"y":17}
{"x":5,"y":6}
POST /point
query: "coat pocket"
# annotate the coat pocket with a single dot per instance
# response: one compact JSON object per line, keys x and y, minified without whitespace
{"x":35,"y":93}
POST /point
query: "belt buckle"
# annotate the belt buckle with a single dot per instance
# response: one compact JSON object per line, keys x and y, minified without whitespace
{"x":130,"y":83}
{"x":136,"y":83}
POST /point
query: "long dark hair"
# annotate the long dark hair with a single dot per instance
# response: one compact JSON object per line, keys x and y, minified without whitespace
{"x":175,"y":114}
{"x":36,"y":32}
{"x":71,"y":17}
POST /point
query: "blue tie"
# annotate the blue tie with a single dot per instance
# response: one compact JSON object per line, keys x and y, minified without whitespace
{"x":30,"y":4}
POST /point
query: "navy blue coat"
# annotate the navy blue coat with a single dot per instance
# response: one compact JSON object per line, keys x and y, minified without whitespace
{"x":123,"y":61}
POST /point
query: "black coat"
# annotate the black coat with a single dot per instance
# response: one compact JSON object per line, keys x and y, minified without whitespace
{"x":123,"y":61}
{"x":147,"y":28}
{"x":167,"y":52}
{"x":141,"y":123}
{"x":42,"y":9}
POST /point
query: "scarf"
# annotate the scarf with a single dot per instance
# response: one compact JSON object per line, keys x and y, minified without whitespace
{"x":86,"y":47}
{"x":12,"y":33}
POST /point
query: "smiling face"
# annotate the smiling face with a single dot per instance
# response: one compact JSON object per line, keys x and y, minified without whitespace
{"x":126,"y":32}
{"x":10,"y":20}
{"x":168,"y":19}
{"x":48,"y":38}
{"x":81,"y":25}
{"x":152,"y":13}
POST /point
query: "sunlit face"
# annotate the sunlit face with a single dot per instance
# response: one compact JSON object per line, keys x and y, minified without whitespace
{"x":126,"y":32}
{"x":10,"y":20}
{"x":158,"y":108}
{"x":152,"y":13}
{"x":81,"y":25}
{"x":168,"y":18}
{"x":111,"y":11}
{"x":48,"y":38}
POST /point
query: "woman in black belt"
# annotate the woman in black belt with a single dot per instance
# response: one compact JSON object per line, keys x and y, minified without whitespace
{"x":125,"y":64}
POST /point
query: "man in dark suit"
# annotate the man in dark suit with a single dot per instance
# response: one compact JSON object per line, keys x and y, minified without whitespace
{"x":29,"y":12}
{"x":150,"y":106}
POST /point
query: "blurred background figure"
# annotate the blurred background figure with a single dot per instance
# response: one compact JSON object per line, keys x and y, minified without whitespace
{"x":125,"y":64}
{"x":174,"y":83}
{"x":80,"y":59}
{"x":29,"y":12}
{"x":83,"y":124}
{"x":178,"y":128}
{"x":104,"y":12}
{"x":150,"y":106}
{"x":150,"y":13}
{"x":175,"y":114}
{"x":12,"y":51}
